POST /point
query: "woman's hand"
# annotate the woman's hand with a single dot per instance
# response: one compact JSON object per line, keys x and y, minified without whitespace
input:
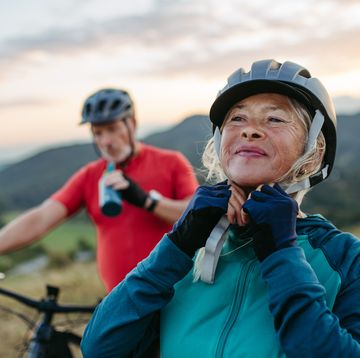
{"x":235,"y":213}
{"x":273,"y":214}
{"x":205,"y":209}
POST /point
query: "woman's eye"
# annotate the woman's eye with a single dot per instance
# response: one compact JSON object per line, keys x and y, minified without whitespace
{"x":276,"y":120}
{"x":237,"y":119}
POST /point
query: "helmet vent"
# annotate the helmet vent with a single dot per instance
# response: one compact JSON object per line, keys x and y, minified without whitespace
{"x":101,"y":105}
{"x":115,"y":105}
{"x":106,"y":105}
{"x":305,"y":73}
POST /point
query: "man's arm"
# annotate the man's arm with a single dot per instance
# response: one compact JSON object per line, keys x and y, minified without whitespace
{"x":184,"y":184}
{"x":169,"y":210}
{"x":31,"y":225}
{"x":166,"y":209}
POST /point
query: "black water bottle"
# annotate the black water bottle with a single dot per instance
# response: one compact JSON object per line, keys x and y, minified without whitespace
{"x":109,"y":199}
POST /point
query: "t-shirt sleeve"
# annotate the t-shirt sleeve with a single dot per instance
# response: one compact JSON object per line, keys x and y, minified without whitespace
{"x":184,"y":179}
{"x":71,"y":194}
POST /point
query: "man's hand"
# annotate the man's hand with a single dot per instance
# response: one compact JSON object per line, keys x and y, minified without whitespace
{"x":128,"y":188}
{"x":207,"y":206}
{"x":273,"y":213}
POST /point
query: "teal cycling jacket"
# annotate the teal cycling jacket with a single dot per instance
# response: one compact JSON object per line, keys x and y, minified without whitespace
{"x":301,"y":301}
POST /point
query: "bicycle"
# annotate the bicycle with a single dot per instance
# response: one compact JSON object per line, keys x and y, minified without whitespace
{"x":46,"y":340}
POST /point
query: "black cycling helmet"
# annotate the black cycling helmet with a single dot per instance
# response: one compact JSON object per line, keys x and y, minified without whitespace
{"x":289,"y":79}
{"x":107,"y":105}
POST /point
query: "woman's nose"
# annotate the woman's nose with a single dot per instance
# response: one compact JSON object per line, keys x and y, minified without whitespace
{"x":252,"y":132}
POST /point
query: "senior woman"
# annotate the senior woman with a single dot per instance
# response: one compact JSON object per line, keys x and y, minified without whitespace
{"x":286,"y":283}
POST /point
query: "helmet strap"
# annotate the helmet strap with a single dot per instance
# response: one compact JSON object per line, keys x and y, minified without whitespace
{"x":314,"y":132}
{"x":125,"y":162}
{"x":308,"y":182}
{"x":213,"y":248}
{"x":217,"y":141}
{"x":96,"y":149}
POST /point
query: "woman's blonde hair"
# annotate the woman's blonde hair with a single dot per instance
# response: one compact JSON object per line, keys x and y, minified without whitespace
{"x":308,"y":164}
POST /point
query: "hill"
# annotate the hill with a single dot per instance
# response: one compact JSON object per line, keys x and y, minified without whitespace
{"x":189,"y":137}
{"x":30,"y":181}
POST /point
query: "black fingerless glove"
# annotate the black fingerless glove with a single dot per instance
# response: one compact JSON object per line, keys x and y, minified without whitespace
{"x":134,"y":194}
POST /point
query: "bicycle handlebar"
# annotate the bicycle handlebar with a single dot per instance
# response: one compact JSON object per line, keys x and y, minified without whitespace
{"x":49,"y":305}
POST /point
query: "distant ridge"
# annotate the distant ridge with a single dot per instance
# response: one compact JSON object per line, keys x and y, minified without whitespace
{"x":189,"y":137}
{"x":30,"y":181}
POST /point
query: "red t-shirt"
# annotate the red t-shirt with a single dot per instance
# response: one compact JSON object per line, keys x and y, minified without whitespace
{"x":126,"y":239}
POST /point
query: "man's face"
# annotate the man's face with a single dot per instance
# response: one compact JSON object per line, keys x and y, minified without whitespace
{"x":114,"y":139}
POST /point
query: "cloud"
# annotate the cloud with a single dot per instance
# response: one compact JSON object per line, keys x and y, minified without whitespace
{"x":204,"y":38}
{"x":163,"y":25}
{"x":331,"y":55}
{"x":25,"y":102}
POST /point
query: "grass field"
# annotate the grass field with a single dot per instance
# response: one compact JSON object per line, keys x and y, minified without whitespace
{"x":65,"y":237}
{"x":79,"y":284}
{"x":60,"y":244}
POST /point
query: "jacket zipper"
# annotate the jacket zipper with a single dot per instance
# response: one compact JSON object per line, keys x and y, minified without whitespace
{"x":240,"y":291}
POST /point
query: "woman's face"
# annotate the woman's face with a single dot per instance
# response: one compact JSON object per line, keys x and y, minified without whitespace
{"x":261,"y":139}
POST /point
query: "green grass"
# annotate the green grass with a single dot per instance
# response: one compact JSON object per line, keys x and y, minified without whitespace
{"x":61,"y":243}
{"x":67,"y":236}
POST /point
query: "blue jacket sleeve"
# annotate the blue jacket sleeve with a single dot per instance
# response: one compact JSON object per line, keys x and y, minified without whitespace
{"x":305,"y":326}
{"x":122,"y":324}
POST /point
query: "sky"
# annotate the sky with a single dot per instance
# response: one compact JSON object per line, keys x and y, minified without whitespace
{"x":172,"y":56}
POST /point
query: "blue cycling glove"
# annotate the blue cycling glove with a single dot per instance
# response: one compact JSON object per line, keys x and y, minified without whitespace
{"x":273,"y":214}
{"x":207,"y":206}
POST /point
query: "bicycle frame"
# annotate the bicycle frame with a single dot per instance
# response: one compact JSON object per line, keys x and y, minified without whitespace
{"x":46,"y":342}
